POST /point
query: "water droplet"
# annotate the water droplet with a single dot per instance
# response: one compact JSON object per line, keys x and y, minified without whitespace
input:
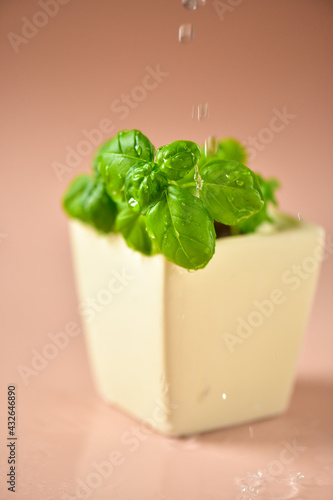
{"x":185,"y":33}
{"x":138,"y":149}
{"x":239,"y":182}
{"x":197,"y":178}
{"x":193,"y":4}
{"x":200,"y":111}
{"x":224,"y":396}
{"x":211,"y":145}
{"x":132,"y":202}
{"x":268,"y":487}
{"x":203,"y":111}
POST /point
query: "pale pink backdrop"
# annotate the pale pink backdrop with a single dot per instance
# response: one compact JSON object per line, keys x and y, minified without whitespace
{"x":249,"y":60}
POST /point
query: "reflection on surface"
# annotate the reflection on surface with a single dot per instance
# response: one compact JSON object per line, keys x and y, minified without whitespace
{"x":103,"y":454}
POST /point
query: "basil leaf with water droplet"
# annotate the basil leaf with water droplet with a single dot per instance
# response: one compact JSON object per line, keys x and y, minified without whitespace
{"x":177,"y":158}
{"x":230,"y":191}
{"x":87,"y":200}
{"x":182,"y":229}
{"x":144,"y":186}
{"x":116,"y":157}
{"x":268,"y":188}
{"x":132,"y":226}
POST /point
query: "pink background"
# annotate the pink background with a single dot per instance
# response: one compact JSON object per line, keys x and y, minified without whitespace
{"x":255,"y":57}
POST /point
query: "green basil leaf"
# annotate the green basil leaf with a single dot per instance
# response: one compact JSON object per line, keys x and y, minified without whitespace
{"x":87,"y":200}
{"x":73,"y":199}
{"x":182,"y":229}
{"x":132,"y":226}
{"x":230,"y":149}
{"x":268,"y":188}
{"x":144,"y":186}
{"x":101,"y":208}
{"x":190,"y":182}
{"x":177,"y":158}
{"x":116,"y":157}
{"x":230,"y":191}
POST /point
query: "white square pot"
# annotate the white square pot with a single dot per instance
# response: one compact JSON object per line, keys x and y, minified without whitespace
{"x":189,"y":352}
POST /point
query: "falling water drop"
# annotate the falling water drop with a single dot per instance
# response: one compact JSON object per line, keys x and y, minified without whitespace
{"x":193,"y":4}
{"x":185,"y":33}
{"x":203,"y":111}
{"x":211,"y":145}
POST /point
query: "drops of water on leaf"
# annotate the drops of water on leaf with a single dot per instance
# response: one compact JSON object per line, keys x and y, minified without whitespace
{"x":132,"y":202}
{"x":197,"y":178}
{"x":211,"y":145}
{"x":185,"y":33}
{"x":138,"y":149}
{"x":193,"y":4}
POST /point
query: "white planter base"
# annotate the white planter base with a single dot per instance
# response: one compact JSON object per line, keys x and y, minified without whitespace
{"x":189,"y":352}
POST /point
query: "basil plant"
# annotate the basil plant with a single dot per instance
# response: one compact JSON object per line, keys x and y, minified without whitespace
{"x":170,"y":201}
